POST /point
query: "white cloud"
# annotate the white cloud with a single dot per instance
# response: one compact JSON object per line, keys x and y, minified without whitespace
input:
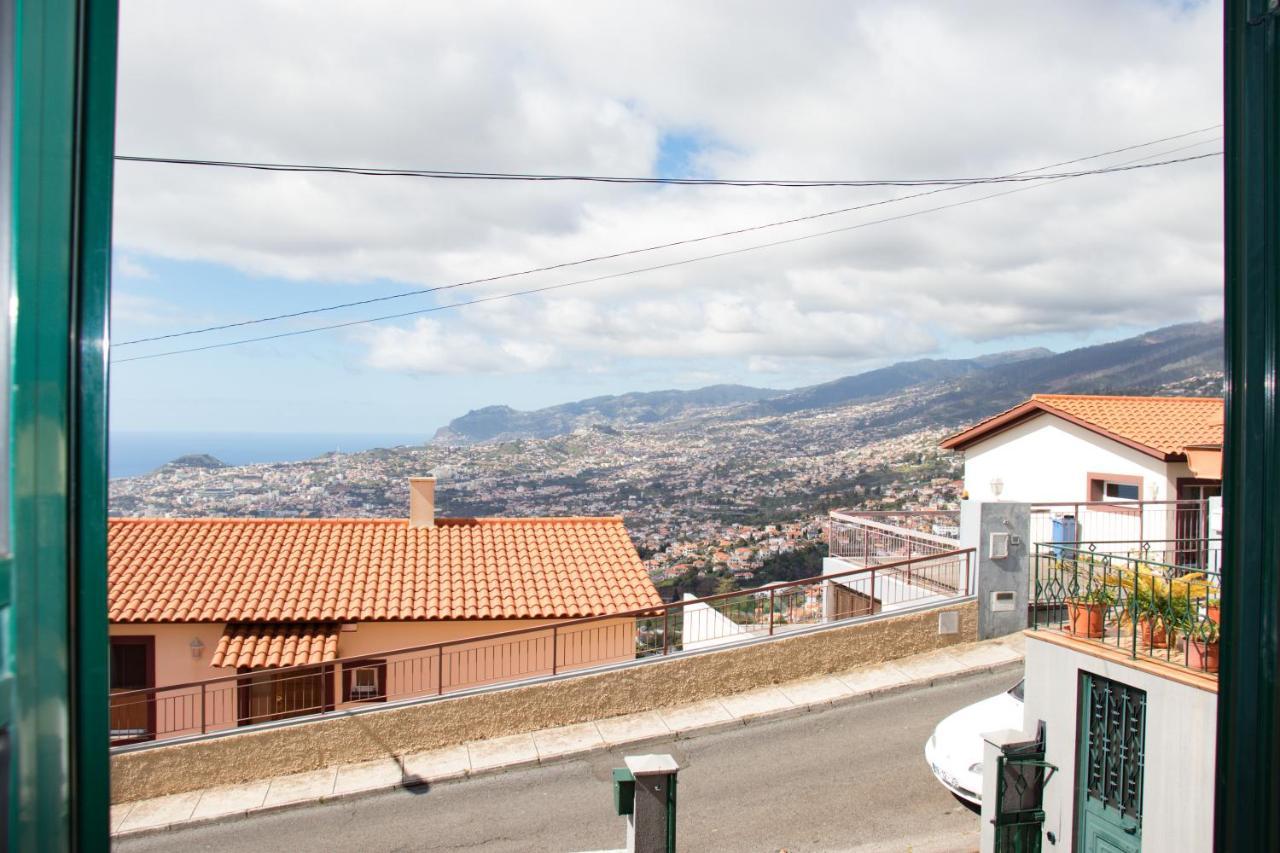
{"x":133,"y":311}
{"x":430,"y":347}
{"x":126,"y":266}
{"x":816,"y":89}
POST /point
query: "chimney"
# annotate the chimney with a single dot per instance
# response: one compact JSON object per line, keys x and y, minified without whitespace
{"x":422,"y":501}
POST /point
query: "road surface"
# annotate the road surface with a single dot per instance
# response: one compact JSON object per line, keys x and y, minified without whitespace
{"x":850,"y":777}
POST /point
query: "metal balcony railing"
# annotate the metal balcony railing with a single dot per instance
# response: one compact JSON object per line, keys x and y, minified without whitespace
{"x":1144,"y":608}
{"x":224,"y":704}
{"x":1179,"y":527}
{"x":873,"y":538}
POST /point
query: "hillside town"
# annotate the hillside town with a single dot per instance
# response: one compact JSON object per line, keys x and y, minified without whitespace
{"x":714,"y":496}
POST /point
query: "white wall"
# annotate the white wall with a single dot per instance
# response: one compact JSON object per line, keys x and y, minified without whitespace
{"x":705,"y":627}
{"x":1047,"y":459}
{"x":891,"y":588}
{"x":1177,"y":800}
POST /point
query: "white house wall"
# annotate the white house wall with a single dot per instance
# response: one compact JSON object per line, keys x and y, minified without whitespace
{"x":1049,"y":459}
{"x":1177,"y":801}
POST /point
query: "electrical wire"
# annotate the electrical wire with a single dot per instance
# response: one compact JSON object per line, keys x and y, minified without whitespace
{"x":656,"y":267}
{"x":615,"y":255}
{"x":441,"y":174}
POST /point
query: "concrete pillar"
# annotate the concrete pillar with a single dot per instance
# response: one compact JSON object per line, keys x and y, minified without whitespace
{"x":1004,"y":559}
{"x":652,"y":820}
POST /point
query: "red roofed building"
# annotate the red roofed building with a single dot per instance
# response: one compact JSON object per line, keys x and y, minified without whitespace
{"x":192,"y":599}
{"x":1139,"y":453}
{"x":1090,"y":448}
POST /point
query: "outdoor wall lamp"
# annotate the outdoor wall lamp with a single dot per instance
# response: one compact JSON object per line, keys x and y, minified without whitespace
{"x":197,"y":647}
{"x":997,"y":486}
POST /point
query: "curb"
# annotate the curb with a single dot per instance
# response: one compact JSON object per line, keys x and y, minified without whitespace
{"x":685,"y":734}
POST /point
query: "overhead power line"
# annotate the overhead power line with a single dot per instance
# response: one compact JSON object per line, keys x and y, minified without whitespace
{"x":442,"y":174}
{"x":669,"y":245}
{"x":656,"y":267}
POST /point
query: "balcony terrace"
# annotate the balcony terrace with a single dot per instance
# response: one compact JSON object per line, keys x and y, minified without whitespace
{"x":1117,"y":599}
{"x":865,"y":539}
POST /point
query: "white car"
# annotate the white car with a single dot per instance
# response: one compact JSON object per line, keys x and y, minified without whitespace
{"x":954,"y":751}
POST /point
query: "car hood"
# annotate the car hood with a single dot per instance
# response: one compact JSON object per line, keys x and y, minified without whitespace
{"x":959,"y":736}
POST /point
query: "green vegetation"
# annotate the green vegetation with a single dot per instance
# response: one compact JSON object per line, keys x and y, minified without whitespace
{"x":803,"y":562}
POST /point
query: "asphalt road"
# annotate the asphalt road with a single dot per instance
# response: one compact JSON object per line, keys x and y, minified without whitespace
{"x":845,"y":778}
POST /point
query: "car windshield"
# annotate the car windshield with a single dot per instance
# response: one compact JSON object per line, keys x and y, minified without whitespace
{"x":1016,"y":690}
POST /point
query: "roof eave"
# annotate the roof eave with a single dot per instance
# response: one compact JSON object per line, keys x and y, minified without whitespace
{"x":1033,"y":408}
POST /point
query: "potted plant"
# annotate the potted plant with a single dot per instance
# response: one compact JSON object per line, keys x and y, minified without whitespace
{"x":1160,"y":612}
{"x":1087,"y":612}
{"x":1202,"y":646}
{"x":1213,"y":609}
{"x":1152,"y":612}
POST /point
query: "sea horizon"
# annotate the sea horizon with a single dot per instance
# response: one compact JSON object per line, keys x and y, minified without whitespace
{"x":135,"y":452}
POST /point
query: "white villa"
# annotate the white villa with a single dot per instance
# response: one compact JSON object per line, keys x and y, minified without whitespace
{"x":1117,"y":746}
{"x":1103,"y":468}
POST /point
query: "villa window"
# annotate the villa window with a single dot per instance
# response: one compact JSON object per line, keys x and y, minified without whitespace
{"x":1114,"y":487}
{"x":364,"y":681}
{"x":1112,"y":491}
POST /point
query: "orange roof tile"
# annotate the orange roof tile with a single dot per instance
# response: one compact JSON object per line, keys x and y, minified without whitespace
{"x":259,"y":646}
{"x":356,"y":570}
{"x":1159,"y":426}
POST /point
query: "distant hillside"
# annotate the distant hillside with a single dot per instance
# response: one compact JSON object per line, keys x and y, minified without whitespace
{"x":868,"y":386}
{"x":1185,"y":359}
{"x":504,"y":422}
{"x":197,"y":460}
{"x":1180,"y":359}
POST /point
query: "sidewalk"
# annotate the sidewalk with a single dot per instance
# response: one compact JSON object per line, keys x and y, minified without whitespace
{"x":550,"y":745}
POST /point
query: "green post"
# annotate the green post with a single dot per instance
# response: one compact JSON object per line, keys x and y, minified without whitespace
{"x":1248,"y":755}
{"x":62,"y":62}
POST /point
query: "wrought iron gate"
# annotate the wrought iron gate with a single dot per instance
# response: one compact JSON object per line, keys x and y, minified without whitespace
{"x":1112,"y":746}
{"x":1021,"y":773}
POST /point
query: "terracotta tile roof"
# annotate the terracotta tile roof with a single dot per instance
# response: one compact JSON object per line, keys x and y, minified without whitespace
{"x":354,"y":570}
{"x":1159,"y":426}
{"x":259,"y":646}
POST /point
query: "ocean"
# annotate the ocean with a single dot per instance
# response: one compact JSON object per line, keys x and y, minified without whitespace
{"x":133,"y":453}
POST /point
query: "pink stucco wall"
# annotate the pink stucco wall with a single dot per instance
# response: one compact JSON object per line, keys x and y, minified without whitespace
{"x":188,"y":710}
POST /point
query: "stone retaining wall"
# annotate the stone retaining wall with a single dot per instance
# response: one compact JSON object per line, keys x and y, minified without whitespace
{"x":263,"y":754}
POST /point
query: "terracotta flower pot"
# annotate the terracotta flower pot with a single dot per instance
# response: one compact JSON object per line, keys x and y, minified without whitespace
{"x":1202,"y":656}
{"x":1086,"y":619}
{"x":1213,"y":613}
{"x":1154,"y":635}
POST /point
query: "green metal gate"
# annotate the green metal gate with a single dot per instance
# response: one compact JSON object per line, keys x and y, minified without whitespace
{"x":1021,"y":774}
{"x":1112,"y":745}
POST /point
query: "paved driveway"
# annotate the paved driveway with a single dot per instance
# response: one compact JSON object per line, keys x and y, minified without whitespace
{"x":846,"y":778}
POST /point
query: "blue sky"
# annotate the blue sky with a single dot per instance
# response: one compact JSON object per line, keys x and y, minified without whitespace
{"x":823,"y":89}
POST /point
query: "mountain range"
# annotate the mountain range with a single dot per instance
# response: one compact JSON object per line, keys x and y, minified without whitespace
{"x":1184,"y":359}
{"x":686,"y":466}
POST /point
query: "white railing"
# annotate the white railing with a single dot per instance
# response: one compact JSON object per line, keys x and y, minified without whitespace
{"x":870,"y":539}
{"x":1178,"y":532}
